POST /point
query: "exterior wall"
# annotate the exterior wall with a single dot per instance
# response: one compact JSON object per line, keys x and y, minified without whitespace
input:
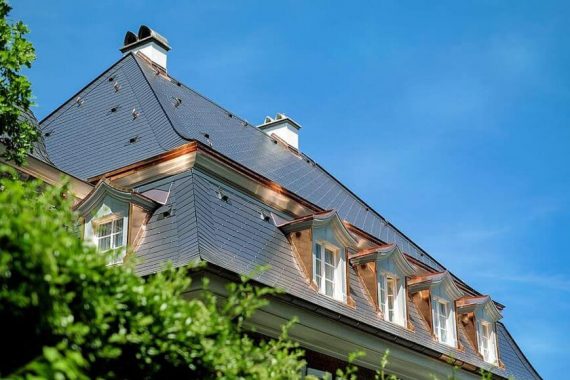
{"x":302,"y":242}
{"x":368,"y":275}
{"x":422,"y":301}
{"x":468,"y":322}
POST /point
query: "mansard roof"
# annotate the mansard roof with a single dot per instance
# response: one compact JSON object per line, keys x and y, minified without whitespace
{"x":241,"y":241}
{"x":133,"y":111}
{"x":108,"y":137}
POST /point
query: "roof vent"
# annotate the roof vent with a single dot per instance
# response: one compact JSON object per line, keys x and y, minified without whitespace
{"x":283,"y":127}
{"x":150,"y":43}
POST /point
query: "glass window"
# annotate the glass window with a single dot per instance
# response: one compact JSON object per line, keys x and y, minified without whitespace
{"x":325,"y":270}
{"x":487,"y":342}
{"x":329,"y":272}
{"x":391,"y":299}
{"x":440,"y":321}
{"x":110,"y":236}
{"x":382,"y":294}
{"x":318,"y":265}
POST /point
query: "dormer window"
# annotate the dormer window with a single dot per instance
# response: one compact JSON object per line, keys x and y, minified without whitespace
{"x":321,"y":243}
{"x":434,"y":295}
{"x":113,"y":219}
{"x":479,"y":315}
{"x":383,"y":271}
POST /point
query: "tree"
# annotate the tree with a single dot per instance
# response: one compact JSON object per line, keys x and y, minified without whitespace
{"x":71,"y":316}
{"x":17,"y":134}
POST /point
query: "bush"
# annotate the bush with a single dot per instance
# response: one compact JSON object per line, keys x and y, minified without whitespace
{"x":71,"y":316}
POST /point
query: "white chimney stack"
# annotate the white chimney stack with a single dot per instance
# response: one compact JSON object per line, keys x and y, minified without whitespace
{"x":285,"y":128}
{"x":150,"y":43}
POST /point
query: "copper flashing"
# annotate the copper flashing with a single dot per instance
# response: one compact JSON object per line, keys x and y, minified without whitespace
{"x":199,"y":148}
{"x":322,"y":218}
{"x":105,"y":187}
{"x":418,"y":283}
{"x":468,"y":304}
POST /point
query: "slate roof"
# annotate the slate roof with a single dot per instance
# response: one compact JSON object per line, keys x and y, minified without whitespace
{"x":233,"y":236}
{"x":84,"y":129}
{"x":134,"y":111}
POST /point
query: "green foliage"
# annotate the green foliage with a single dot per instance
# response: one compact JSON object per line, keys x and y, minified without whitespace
{"x":380,"y":372}
{"x":73,"y":317}
{"x":349,"y":373}
{"x":17,"y":134}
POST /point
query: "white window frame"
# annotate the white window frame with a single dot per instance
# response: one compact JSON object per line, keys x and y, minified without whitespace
{"x":489,"y":352}
{"x":120,"y":250}
{"x":398,"y":315}
{"x":338,"y":274}
{"x":448,"y":326}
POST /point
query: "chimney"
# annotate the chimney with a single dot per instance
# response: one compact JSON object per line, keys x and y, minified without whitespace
{"x":283,"y":127}
{"x":150,"y":43}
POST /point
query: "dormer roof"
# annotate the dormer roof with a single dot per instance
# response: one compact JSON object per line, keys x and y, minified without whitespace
{"x":471,"y":303}
{"x":384,"y":252}
{"x":105,"y":188}
{"x":329,"y":219}
{"x":427,"y":281}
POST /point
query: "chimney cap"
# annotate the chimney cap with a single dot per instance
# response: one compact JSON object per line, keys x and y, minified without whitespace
{"x":279,"y":119}
{"x":145,"y":35}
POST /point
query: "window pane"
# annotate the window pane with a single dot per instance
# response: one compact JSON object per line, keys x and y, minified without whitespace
{"x":318,"y":272}
{"x":329,"y":290}
{"x":105,"y":229}
{"x":318,"y":251}
{"x":329,"y":272}
{"x":485,"y":341}
{"x":318,"y":266}
{"x":118,"y":225}
{"x":104,"y":243}
{"x":382,"y":294}
{"x":440,"y":322}
{"x":118,"y":240}
{"x":329,"y":257}
{"x":391,"y":290}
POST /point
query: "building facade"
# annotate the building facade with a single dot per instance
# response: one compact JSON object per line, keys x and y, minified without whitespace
{"x":166,"y":172}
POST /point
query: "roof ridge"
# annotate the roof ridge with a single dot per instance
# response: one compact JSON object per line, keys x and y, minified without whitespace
{"x":65,"y":103}
{"x":179,"y":133}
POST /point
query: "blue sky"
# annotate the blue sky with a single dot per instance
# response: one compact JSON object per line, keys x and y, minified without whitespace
{"x":451,"y":118}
